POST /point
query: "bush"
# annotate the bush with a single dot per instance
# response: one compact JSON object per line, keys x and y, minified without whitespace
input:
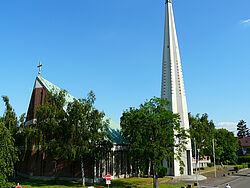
{"x":236,"y":168}
{"x":243,"y":165}
{"x":163,"y":172}
{"x":243,"y":159}
{"x":210,"y":164}
{"x":202,"y":168}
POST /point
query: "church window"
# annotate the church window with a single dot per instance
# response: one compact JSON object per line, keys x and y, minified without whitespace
{"x":42,"y":97}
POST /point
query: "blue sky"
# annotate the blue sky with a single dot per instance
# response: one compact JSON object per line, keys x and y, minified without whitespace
{"x":114,"y":47}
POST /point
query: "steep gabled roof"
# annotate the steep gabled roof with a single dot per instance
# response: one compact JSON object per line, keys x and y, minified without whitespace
{"x":114,"y":127}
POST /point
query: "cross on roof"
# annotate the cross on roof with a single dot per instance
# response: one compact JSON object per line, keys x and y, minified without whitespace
{"x":40,"y":66}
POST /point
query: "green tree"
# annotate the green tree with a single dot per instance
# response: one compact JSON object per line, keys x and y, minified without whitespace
{"x":242,"y":129}
{"x":8,"y":156}
{"x":52,"y":132}
{"x":150,"y":131}
{"x":9,"y":118}
{"x":89,"y":136}
{"x":202,"y":132}
{"x":8,"y":151}
{"x":69,"y":131}
{"x":226,"y":146}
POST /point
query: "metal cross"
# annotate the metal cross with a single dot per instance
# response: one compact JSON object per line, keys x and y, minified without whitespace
{"x":40,"y":66}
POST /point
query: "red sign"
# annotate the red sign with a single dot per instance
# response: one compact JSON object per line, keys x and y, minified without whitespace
{"x":108,"y":177}
{"x":18,"y":186}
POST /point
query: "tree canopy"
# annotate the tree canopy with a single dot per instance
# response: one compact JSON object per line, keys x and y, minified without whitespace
{"x":202,"y":132}
{"x":8,"y":151}
{"x":89,"y":137}
{"x":226,"y":146}
{"x":150,"y":131}
{"x":70,"y":130}
{"x":52,"y":131}
{"x":242,"y":129}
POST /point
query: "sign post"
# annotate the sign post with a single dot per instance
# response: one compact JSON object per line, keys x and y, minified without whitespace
{"x":108,"y":180}
{"x":18,"y":186}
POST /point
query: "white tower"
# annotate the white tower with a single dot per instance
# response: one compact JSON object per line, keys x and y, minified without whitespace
{"x":173,"y":87}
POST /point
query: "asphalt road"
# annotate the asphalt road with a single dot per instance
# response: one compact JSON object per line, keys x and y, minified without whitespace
{"x":239,"y":180}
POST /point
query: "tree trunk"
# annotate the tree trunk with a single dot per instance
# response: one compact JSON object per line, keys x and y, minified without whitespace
{"x":56,"y":174}
{"x":94,"y":172}
{"x":149,"y":168}
{"x":83,"y":176}
{"x":156,"y":183}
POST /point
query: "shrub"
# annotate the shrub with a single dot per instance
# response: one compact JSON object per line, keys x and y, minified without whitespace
{"x":244,"y":165}
{"x":243,"y":159}
{"x":236,"y":168}
{"x":163,"y":172}
{"x":210,"y":164}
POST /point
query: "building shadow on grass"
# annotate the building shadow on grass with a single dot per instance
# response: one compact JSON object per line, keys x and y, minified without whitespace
{"x":43,"y":183}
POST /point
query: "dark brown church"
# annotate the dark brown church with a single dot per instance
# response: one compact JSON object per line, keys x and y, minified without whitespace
{"x":35,"y":165}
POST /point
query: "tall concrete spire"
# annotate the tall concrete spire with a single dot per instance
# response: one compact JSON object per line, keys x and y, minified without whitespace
{"x":173,"y":86}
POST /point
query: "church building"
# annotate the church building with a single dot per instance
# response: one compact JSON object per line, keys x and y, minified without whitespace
{"x":35,"y":164}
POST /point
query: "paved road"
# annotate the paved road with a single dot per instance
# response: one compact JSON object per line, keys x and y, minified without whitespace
{"x":240,"y":180}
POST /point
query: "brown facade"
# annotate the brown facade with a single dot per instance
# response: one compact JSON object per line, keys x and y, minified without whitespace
{"x":37,"y":99}
{"x":36,"y":164}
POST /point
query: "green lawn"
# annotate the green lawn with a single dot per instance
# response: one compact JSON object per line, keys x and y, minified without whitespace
{"x":28,"y":183}
{"x":128,"y":182}
{"x":164,"y":186}
{"x":207,"y":169}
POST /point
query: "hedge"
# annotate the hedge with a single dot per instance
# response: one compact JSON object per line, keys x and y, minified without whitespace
{"x":243,"y":159}
{"x":238,"y":167}
{"x":210,"y":164}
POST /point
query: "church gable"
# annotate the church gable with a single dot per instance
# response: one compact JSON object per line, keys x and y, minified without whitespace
{"x":37,"y":99}
{"x":38,"y":96}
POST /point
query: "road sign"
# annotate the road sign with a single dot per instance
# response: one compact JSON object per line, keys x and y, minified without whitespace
{"x":18,"y":186}
{"x":108,"y":182}
{"x":108,"y":177}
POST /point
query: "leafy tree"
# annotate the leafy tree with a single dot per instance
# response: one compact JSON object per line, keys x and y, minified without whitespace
{"x":202,"y":132}
{"x":20,"y":136}
{"x":9,"y":118}
{"x":8,"y":151}
{"x":75,"y":132}
{"x":89,"y":137}
{"x":8,"y":155}
{"x":242,"y":129}
{"x":226,"y":146}
{"x":150,"y":131}
{"x":52,"y":131}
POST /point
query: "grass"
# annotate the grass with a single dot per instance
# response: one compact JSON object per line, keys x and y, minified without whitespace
{"x":128,"y":182}
{"x":30,"y":183}
{"x":207,"y":169}
{"x":165,"y":186}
